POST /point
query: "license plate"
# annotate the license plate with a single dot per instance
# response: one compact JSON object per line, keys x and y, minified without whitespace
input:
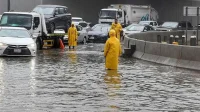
{"x":91,"y":37}
{"x":17,"y":50}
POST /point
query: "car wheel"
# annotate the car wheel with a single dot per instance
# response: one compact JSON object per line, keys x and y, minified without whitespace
{"x":52,"y":28}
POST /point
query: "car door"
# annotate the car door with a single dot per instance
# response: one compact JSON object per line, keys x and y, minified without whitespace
{"x":57,"y":18}
{"x":80,"y":33}
{"x":62,"y":17}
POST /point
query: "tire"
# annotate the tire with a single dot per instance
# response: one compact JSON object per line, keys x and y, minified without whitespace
{"x":52,"y":28}
{"x":39,"y":44}
{"x":56,"y":43}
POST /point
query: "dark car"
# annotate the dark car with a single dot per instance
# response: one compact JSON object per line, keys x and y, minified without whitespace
{"x":99,"y":33}
{"x":169,"y":26}
{"x":56,"y":16}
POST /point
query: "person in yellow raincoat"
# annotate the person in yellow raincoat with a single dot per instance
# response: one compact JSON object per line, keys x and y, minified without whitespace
{"x":72,"y":36}
{"x":112,"y":51}
{"x":118,"y":28}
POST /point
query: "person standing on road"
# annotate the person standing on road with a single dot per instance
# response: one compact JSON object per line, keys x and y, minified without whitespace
{"x":112,"y":51}
{"x":118,"y":28}
{"x":72,"y":36}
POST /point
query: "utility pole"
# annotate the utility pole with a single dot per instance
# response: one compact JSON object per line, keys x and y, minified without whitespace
{"x":41,"y":2}
{"x":8,"y":5}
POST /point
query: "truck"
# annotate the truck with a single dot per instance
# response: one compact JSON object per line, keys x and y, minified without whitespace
{"x":36,"y":24}
{"x":127,"y":14}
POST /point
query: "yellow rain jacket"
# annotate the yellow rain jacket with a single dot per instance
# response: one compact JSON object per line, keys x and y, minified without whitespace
{"x":118,"y":28}
{"x":112,"y":51}
{"x":72,"y":36}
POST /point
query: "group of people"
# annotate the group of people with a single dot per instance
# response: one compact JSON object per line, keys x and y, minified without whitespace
{"x":112,"y":49}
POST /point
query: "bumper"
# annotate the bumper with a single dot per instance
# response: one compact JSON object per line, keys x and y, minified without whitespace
{"x":11,"y":51}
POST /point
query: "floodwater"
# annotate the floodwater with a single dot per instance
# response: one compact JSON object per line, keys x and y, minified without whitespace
{"x":63,"y":81}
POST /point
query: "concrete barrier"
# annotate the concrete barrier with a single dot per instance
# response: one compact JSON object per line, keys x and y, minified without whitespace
{"x":169,"y":54}
{"x":126,"y":42}
{"x":132,"y":42}
{"x":140,"y":48}
{"x":152,"y":51}
{"x":148,"y":49}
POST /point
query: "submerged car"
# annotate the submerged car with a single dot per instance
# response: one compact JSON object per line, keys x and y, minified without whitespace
{"x":15,"y":41}
{"x":136,"y":28}
{"x":99,"y":33}
{"x":82,"y":35}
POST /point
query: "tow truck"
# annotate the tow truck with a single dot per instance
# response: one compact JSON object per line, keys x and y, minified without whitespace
{"x":35,"y":23}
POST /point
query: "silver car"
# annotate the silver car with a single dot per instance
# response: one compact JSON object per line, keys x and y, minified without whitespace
{"x":15,"y":41}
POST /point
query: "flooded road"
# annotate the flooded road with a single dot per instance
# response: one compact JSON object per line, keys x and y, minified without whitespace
{"x":62,"y":81}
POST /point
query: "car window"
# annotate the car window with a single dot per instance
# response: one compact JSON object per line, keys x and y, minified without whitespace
{"x":36,"y":21}
{"x":65,"y":10}
{"x":151,"y":23}
{"x":56,"y":11}
{"x":155,"y":24}
{"x":61,"y":11}
{"x":83,"y":24}
{"x":79,"y":28}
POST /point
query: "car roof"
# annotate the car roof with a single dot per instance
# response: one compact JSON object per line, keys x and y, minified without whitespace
{"x":148,"y":21}
{"x":54,"y":6}
{"x":77,"y":18}
{"x":12,"y":28}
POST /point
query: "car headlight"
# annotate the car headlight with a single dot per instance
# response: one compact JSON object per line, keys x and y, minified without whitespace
{"x":32,"y":45}
{"x":2,"y":44}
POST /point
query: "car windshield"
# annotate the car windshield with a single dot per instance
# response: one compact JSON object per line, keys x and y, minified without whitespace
{"x":77,"y":20}
{"x":14,"y":33}
{"x":136,"y":28}
{"x":108,"y":14}
{"x":170,"y":24}
{"x":44,"y":10}
{"x":17,"y":20}
{"x":128,"y":27}
{"x":144,"y":23}
{"x":100,"y":28}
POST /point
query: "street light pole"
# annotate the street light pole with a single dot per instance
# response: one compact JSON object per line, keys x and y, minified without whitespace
{"x":8,"y":5}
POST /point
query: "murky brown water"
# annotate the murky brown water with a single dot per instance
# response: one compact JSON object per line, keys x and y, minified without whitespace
{"x":62,"y":81}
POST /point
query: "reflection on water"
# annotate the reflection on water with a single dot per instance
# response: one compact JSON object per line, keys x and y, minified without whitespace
{"x":113,"y":82}
{"x":62,"y":80}
{"x":72,"y":56}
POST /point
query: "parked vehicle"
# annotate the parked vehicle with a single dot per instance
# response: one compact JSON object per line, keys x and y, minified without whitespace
{"x":151,"y":23}
{"x":56,"y":16}
{"x":82,"y":35}
{"x":35,"y":23}
{"x":76,"y":20}
{"x":15,"y":41}
{"x":99,"y":33}
{"x":169,"y":26}
{"x":137,"y":28}
{"x":85,"y":25}
{"x":127,"y":14}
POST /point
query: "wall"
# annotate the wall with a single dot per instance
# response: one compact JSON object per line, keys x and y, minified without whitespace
{"x":3,"y":6}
